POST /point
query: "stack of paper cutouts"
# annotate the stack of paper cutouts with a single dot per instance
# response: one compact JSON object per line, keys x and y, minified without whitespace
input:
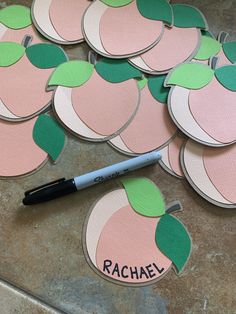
{"x":131,"y":237}
{"x":156,"y":76}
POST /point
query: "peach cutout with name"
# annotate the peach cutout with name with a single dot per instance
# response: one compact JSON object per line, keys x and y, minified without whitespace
{"x":129,"y":240}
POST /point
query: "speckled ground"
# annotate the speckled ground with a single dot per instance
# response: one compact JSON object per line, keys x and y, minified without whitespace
{"x":41,"y":246}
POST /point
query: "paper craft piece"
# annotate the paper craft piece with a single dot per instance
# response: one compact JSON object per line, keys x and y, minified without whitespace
{"x":187,"y":16}
{"x":119,"y":32}
{"x":60,"y":20}
{"x":226,"y":75}
{"x":144,"y":197}
{"x":229,"y":49}
{"x":178,"y":105}
{"x":123,"y":31}
{"x":72,"y":74}
{"x":159,"y":10}
{"x":125,"y":252}
{"x":15,"y":24}
{"x":170,"y":160}
{"x":157,"y":88}
{"x":27,"y":96}
{"x":46,"y":56}
{"x":209,"y":47}
{"x":15,"y":16}
{"x":150,"y":129}
{"x":116,"y":3}
{"x":10,"y":53}
{"x":116,"y":102}
{"x":216,"y":126}
{"x":210,"y":171}
{"x":49,"y":136}
{"x":162,"y":57}
{"x":19,"y":153}
{"x":217,"y":118}
{"x":176,"y":245}
{"x":116,"y":71}
{"x":190,"y":75}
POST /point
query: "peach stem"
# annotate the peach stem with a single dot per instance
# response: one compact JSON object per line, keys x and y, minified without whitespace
{"x":174,"y":207}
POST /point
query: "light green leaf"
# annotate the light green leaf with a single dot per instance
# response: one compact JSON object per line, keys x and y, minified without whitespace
{"x":173,"y":241}
{"x":142,"y":83}
{"x":116,"y":71}
{"x":49,"y":136}
{"x":229,"y":49}
{"x":116,"y":3}
{"x":159,"y":10}
{"x":190,"y":75}
{"x":209,"y":48}
{"x":15,"y":16}
{"x":144,"y":197}
{"x":186,"y":16}
{"x":45,"y":56}
{"x":71,"y":74}
{"x":10,"y":53}
{"x":157,"y":88}
{"x":226,"y":75}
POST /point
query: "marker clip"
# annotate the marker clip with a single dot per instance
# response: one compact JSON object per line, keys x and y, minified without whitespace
{"x":44,"y":185}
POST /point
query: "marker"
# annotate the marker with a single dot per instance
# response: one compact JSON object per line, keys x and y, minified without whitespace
{"x":61,"y":187}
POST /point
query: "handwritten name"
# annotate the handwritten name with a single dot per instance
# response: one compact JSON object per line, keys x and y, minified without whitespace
{"x":114,"y":269}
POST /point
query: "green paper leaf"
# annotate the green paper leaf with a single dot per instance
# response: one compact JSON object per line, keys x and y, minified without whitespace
{"x":226,"y":75}
{"x":190,"y":75}
{"x":159,"y":10}
{"x":209,"y":48}
{"x":46,"y":56}
{"x":142,"y":83}
{"x":116,"y":3}
{"x":173,"y":240}
{"x":144,"y":197}
{"x":186,"y":16}
{"x":230,"y":51}
{"x":116,"y":71}
{"x":10,"y":53}
{"x":157,"y":88}
{"x":71,"y":74}
{"x":15,"y":16}
{"x":49,"y":136}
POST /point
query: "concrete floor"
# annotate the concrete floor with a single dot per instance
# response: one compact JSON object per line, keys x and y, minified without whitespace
{"x":41,"y":246}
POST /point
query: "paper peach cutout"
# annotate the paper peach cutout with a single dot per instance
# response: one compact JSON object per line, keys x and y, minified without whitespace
{"x":162,"y":57}
{"x":220,"y":167}
{"x":213,"y":108}
{"x":127,"y":239}
{"x":66,"y":16}
{"x":112,"y":106}
{"x":124,"y":31}
{"x":151,"y":127}
{"x":27,"y":96}
{"x":178,"y":105}
{"x":195,"y":172}
{"x":19,"y":153}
